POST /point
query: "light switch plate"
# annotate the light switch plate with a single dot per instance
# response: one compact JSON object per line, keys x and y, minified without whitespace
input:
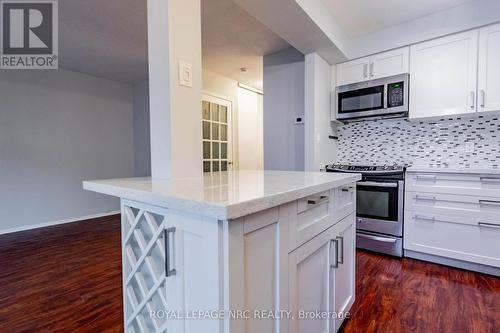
{"x":185,"y":74}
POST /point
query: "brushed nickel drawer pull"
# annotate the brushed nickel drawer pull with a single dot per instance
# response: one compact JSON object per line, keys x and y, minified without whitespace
{"x":345,"y":189}
{"x":424,"y":197}
{"x":489,"y":179}
{"x":489,"y":225}
{"x":425,"y":218}
{"x":426,"y":177}
{"x":317,"y":200}
{"x":489,"y":202}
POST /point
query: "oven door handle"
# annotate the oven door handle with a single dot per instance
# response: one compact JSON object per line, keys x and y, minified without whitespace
{"x":377,"y":184}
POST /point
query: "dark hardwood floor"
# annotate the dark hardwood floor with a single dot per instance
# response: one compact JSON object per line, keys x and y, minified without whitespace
{"x":407,"y":295}
{"x":62,"y":279}
{"x":68,"y":279}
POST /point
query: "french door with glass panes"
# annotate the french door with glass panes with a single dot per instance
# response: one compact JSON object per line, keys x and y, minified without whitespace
{"x":216,"y":127}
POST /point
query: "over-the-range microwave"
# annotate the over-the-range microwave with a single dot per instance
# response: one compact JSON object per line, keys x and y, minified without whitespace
{"x":379,"y":98}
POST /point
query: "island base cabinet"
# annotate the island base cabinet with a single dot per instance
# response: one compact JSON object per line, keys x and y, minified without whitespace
{"x":321,"y":279}
{"x":163,"y":251}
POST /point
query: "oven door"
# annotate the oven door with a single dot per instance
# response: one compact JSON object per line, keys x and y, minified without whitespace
{"x":379,"y":207}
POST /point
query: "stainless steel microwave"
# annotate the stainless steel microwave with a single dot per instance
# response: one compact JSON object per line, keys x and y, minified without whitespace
{"x":385,"y":97}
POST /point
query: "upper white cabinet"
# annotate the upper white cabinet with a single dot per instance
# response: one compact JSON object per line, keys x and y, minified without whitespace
{"x":489,"y":69}
{"x":443,"y":76}
{"x":389,"y":63}
{"x":373,"y":67}
{"x":353,"y":71}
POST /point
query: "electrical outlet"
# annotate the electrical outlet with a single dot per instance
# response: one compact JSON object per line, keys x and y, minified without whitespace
{"x":470,"y":147}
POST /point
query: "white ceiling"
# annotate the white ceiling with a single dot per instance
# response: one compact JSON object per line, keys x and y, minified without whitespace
{"x":108,"y":38}
{"x":105,"y":38}
{"x":232,"y":39}
{"x":357,"y":17}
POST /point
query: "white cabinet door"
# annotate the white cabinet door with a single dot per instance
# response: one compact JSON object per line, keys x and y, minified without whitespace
{"x":390,"y":63}
{"x":310,"y":283}
{"x":353,"y":71}
{"x":489,"y":69}
{"x":443,"y":76}
{"x":344,"y":280}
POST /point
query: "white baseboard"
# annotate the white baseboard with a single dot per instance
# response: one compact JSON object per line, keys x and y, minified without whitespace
{"x":50,"y":224}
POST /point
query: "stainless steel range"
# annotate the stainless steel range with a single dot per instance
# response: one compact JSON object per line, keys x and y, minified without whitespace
{"x":380,"y":207}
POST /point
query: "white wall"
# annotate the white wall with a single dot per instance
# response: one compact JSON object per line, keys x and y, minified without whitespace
{"x":58,"y":128}
{"x":320,"y":149}
{"x":142,"y":141}
{"x":174,"y":35}
{"x":283,"y":101}
{"x":250,"y":130}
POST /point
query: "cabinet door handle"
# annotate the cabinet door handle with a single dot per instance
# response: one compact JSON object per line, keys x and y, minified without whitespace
{"x":318,"y":200}
{"x":345,"y":189}
{"x":341,"y":247}
{"x":371,"y":69}
{"x":472,"y":100}
{"x":365,"y":71}
{"x":168,"y":270}
{"x":483,"y":98}
{"x":335,"y":263}
{"x":489,"y":225}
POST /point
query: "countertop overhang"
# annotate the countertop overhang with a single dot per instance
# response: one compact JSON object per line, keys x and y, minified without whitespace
{"x":223,"y":195}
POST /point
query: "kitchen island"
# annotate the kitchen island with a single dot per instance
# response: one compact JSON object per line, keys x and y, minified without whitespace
{"x":243,"y":251}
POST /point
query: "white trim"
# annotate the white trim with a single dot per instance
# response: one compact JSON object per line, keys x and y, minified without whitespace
{"x":53,"y":223}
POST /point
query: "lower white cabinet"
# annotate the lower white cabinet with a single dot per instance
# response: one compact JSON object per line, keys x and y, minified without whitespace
{"x":321,"y":279}
{"x":454,"y":216}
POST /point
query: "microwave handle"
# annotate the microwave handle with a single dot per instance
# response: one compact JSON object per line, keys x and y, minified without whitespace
{"x":385,"y":96}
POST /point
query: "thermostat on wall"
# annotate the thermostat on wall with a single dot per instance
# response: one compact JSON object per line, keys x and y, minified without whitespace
{"x":299,"y":120}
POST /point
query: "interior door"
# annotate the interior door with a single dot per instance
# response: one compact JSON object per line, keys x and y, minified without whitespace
{"x":217,"y":134}
{"x":489,"y":68}
{"x":310,"y":283}
{"x":443,"y":76}
{"x":344,"y":278}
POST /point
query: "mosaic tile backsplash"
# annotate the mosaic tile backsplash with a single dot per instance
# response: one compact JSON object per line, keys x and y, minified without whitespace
{"x":453,"y":142}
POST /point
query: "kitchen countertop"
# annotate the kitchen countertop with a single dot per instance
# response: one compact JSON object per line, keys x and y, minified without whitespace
{"x":489,"y":171}
{"x":224,"y":195}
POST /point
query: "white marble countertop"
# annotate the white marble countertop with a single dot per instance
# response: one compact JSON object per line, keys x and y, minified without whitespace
{"x":489,"y":171}
{"x":224,"y":195}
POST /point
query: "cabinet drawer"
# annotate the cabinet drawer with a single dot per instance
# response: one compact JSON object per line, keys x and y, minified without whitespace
{"x":472,"y":208}
{"x":457,"y":237}
{"x":313,"y":215}
{"x":454,"y":183}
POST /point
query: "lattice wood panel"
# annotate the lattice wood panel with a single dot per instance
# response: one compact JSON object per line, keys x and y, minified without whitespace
{"x":143,"y":247}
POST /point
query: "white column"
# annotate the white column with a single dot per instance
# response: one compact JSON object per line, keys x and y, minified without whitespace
{"x":174,"y":34}
{"x":319,"y":148}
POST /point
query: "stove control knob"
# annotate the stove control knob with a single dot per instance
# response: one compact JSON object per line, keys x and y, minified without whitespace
{"x":385,"y":167}
{"x":395,"y":167}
